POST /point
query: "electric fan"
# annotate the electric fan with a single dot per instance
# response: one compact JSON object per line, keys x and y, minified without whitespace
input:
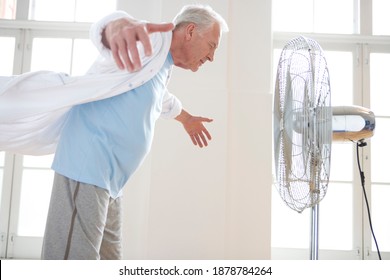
{"x":305,"y":125}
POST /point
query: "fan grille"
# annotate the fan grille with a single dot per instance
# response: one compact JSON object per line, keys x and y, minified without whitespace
{"x":302,"y":124}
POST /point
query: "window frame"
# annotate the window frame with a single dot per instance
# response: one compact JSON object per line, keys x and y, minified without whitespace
{"x":24,"y":31}
{"x":361,"y":44}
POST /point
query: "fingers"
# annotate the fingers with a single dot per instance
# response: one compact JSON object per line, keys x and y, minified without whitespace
{"x":159,"y":27}
{"x":115,"y":53}
{"x":198,"y":132}
{"x":133,"y":62}
{"x":201,"y":119}
{"x":129,"y":52}
{"x":125,"y":52}
{"x":201,"y":138}
{"x":151,"y":28}
{"x":206,"y":132}
{"x":143,"y":37}
{"x":124,"y":45}
{"x":194,"y":140}
{"x":197,"y":141}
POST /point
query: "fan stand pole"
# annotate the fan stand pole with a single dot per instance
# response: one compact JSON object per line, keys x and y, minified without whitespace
{"x":314,"y":232}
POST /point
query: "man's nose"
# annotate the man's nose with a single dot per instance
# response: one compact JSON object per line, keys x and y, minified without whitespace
{"x":210,"y":57}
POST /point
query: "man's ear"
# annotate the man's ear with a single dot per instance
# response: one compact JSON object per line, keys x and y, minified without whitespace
{"x":190,"y":29}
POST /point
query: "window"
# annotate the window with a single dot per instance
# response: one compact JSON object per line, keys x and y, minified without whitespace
{"x":26,"y":181}
{"x":36,"y":182}
{"x":313,"y":16}
{"x":70,"y":10}
{"x":356,"y":62}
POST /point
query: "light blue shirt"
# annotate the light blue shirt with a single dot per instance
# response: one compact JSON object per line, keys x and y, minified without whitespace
{"x":104,"y":142}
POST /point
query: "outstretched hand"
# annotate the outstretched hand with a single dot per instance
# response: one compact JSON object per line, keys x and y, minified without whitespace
{"x":195,"y":128}
{"x":121,"y":37}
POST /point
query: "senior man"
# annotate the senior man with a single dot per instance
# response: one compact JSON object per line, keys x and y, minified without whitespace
{"x":103,"y":142}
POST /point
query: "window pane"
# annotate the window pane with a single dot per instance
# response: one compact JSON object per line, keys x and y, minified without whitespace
{"x":37,"y":180}
{"x":380,"y":207}
{"x":289,"y":228}
{"x":313,"y":16}
{"x":70,"y":56}
{"x":380,"y":17}
{"x":292,"y":16}
{"x":336,"y":227}
{"x":379,"y":83}
{"x":34,"y":201}
{"x":341,"y":77}
{"x":70,"y":10}
{"x":38,"y":161}
{"x":7,"y":55}
{"x":84,"y":54}
{"x":51,"y":54}
{"x":7,"y":9}
{"x":52,"y":10}
{"x":380,"y":150}
{"x":92,"y":10}
{"x":334,"y":16}
{"x":341,"y":165}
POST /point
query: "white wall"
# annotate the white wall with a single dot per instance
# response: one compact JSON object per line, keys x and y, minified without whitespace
{"x":215,"y":202}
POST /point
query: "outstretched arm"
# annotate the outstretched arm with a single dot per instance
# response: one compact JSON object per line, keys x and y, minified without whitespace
{"x":121,"y":36}
{"x":195,"y":128}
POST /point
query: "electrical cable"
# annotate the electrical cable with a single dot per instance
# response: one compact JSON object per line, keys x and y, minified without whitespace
{"x":361,"y":144}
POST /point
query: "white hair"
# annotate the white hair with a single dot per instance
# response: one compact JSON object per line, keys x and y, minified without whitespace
{"x":202,"y":15}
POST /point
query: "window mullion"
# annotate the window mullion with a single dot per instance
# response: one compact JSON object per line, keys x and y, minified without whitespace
{"x":366,"y":17}
{"x":15,"y":202}
{"x":22,"y":9}
{"x":6,"y":197}
{"x":356,"y":17}
{"x":26,"y":51}
{"x":19,"y":52}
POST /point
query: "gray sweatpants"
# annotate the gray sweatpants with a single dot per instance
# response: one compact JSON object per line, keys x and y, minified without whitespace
{"x":83,"y":222}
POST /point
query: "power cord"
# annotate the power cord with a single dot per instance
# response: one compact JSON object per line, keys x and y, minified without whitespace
{"x":360,"y":144}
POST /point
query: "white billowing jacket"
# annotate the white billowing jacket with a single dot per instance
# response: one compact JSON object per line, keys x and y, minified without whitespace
{"x":34,"y":105}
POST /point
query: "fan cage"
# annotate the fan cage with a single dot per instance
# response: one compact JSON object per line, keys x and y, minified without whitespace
{"x":302,"y":124}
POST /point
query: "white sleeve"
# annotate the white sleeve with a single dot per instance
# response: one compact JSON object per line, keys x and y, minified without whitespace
{"x":95,"y":32}
{"x":171,"y":106}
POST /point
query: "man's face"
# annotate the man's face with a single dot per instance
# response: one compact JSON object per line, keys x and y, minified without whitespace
{"x":200,"y":47}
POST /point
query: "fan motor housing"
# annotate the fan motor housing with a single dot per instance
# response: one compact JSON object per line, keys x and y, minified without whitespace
{"x":352,"y":123}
